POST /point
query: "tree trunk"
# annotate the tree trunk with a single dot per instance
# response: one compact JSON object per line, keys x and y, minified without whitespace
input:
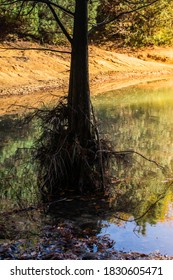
{"x":79,"y":92}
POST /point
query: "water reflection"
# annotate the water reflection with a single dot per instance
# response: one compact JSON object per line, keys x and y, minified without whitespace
{"x":140,"y":120}
{"x":17,"y":170}
{"x":133,"y":119}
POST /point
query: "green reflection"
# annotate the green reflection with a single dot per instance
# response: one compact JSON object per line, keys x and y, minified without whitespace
{"x":18,"y":182}
{"x":139,"y":119}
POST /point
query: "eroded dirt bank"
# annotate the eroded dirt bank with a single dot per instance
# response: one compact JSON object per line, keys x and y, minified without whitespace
{"x":30,"y":77}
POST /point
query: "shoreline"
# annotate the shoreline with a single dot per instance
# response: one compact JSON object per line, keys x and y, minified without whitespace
{"x":31,"y":79}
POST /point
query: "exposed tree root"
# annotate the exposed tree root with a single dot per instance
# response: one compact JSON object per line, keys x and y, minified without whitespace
{"x":64,"y":165}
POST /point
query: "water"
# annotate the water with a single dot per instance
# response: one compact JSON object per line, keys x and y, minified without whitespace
{"x":141,"y":119}
{"x":17,"y":176}
{"x":137,"y":118}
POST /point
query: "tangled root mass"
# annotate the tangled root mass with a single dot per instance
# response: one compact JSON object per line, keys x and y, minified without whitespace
{"x":64,"y":165}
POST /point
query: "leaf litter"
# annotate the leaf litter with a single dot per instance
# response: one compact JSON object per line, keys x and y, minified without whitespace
{"x":69,"y":231}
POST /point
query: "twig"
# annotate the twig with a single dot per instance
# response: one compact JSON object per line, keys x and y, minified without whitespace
{"x":150,"y":160}
{"x":161,"y":196}
{"x":31,"y":208}
{"x":116,"y":153}
{"x":34,"y":49}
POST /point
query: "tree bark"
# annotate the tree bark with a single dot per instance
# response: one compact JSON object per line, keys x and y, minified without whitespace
{"x":79,"y":92}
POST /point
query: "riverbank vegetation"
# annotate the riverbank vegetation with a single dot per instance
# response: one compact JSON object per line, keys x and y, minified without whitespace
{"x":134,"y":26}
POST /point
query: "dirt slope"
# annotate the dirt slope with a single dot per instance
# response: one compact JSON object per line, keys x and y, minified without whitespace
{"x":29,"y":78}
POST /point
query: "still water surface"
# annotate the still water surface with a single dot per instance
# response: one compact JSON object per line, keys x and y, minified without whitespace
{"x":136,"y":118}
{"x":141,"y":118}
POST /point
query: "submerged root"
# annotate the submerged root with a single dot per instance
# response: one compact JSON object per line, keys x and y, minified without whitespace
{"x":64,"y":165}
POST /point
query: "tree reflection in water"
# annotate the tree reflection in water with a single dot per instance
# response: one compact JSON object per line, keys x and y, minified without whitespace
{"x":141,"y":120}
{"x":133,"y":119}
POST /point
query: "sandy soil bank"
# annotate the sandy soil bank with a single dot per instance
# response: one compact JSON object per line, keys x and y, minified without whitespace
{"x":30,"y":78}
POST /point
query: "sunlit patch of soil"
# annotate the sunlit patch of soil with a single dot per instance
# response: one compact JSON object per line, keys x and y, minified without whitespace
{"x":34,"y":78}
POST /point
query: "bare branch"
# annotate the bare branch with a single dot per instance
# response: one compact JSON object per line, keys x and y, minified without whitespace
{"x":21,"y":7}
{"x":161,"y":196}
{"x":5,"y":3}
{"x":109,"y":20}
{"x":137,"y":153}
{"x":60,"y":23}
{"x":61,"y":8}
{"x":35,"y":49}
{"x":128,"y":152}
